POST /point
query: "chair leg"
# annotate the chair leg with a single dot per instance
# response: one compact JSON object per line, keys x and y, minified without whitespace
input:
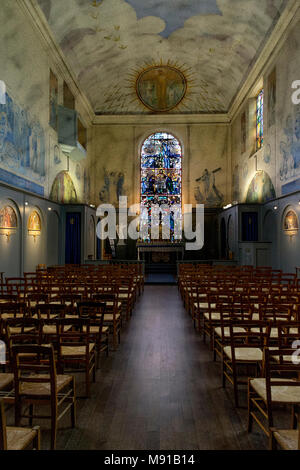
{"x":37,"y":439}
{"x":250,"y":417}
{"x":272,"y":441}
{"x":73,"y":407}
{"x":107,"y":346}
{"x":94,"y":369}
{"x":115,"y":335}
{"x":98,"y":355}
{"x":214,"y":347}
{"x":18,"y":410}
{"x":294,"y":418}
{"x":87,"y":380}
{"x":53,"y":425}
{"x":223,"y":372}
{"x":236,"y":392}
{"x":31,"y":415}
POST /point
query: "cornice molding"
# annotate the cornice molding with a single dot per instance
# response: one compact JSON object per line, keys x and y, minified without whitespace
{"x":288,"y":19}
{"x":34,"y":14}
{"x":140,"y":120}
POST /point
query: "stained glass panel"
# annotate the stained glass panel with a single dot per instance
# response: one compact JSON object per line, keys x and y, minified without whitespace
{"x":260,"y":120}
{"x":161,"y":163}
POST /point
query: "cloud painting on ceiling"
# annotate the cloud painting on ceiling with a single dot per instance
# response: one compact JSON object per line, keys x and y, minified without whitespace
{"x":104,"y":41}
{"x":174,"y":12}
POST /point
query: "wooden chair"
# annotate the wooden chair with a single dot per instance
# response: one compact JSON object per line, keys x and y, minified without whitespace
{"x":38,"y":384}
{"x":7,"y":297}
{"x":95,"y":312}
{"x":17,"y":438}
{"x":70,"y":300}
{"x":50,"y":311}
{"x":245,"y":349}
{"x":75,"y":346}
{"x":212,"y":316}
{"x":281,"y":385}
{"x":35,"y":298}
{"x":285,"y":439}
{"x":17,"y":285}
{"x":235,"y":311}
{"x":13,"y":310}
{"x":6,"y":386}
{"x":112,"y":317}
{"x":22,"y":331}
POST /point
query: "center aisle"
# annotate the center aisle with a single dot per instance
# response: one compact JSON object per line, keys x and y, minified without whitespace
{"x":160,"y":390}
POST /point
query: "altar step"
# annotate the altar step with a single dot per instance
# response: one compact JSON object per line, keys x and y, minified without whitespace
{"x":160,"y":278}
{"x":160,"y":268}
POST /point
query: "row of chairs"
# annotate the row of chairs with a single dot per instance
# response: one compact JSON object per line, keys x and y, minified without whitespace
{"x":49,"y":337}
{"x":255,"y":331}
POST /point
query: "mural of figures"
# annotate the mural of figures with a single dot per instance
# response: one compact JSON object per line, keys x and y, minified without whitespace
{"x":290,"y":223}
{"x":53,"y":100}
{"x":56,"y":157}
{"x":272,"y":98}
{"x":161,"y":88}
{"x":296,"y":141}
{"x":37,"y":158}
{"x":22,"y":148}
{"x":245,"y":170}
{"x":78,"y":172}
{"x":63,"y":189}
{"x":8,"y":151}
{"x":267,"y":154}
{"x":86,"y":186}
{"x":290,"y":149}
{"x":243,"y":133}
{"x":286,"y":170}
{"x":34,"y":222}
{"x":113,"y":187}
{"x":8,"y":218}
{"x":206,"y":192}
{"x":260,"y":189}
{"x":236,"y":183}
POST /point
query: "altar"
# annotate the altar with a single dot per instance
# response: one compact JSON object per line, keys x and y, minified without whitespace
{"x":160,"y":250}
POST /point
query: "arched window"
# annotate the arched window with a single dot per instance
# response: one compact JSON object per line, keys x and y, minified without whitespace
{"x":161,"y":165}
{"x":260,"y":120}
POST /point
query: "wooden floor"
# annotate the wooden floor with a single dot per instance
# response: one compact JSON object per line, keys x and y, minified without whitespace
{"x":159,"y":391}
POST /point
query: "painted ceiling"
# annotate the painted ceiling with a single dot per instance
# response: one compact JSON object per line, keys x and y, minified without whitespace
{"x":212,"y":42}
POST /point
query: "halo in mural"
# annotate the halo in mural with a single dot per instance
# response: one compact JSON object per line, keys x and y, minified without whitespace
{"x":63,"y":189}
{"x":161,"y":87}
{"x":34,"y":225}
{"x":260,"y":189}
{"x":290,"y":223}
{"x":34,"y":222}
{"x":8,"y":221}
{"x":8,"y":218}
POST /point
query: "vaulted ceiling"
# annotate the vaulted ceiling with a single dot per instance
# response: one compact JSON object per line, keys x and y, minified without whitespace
{"x":213,"y":43}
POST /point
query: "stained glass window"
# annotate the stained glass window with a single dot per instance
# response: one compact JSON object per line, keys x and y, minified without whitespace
{"x":161,"y":163}
{"x":260,"y":120}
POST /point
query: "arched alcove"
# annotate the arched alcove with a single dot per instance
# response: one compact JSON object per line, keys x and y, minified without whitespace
{"x":10,"y":238}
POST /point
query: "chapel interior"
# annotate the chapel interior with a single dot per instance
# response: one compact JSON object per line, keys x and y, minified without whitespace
{"x":149,"y":225}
